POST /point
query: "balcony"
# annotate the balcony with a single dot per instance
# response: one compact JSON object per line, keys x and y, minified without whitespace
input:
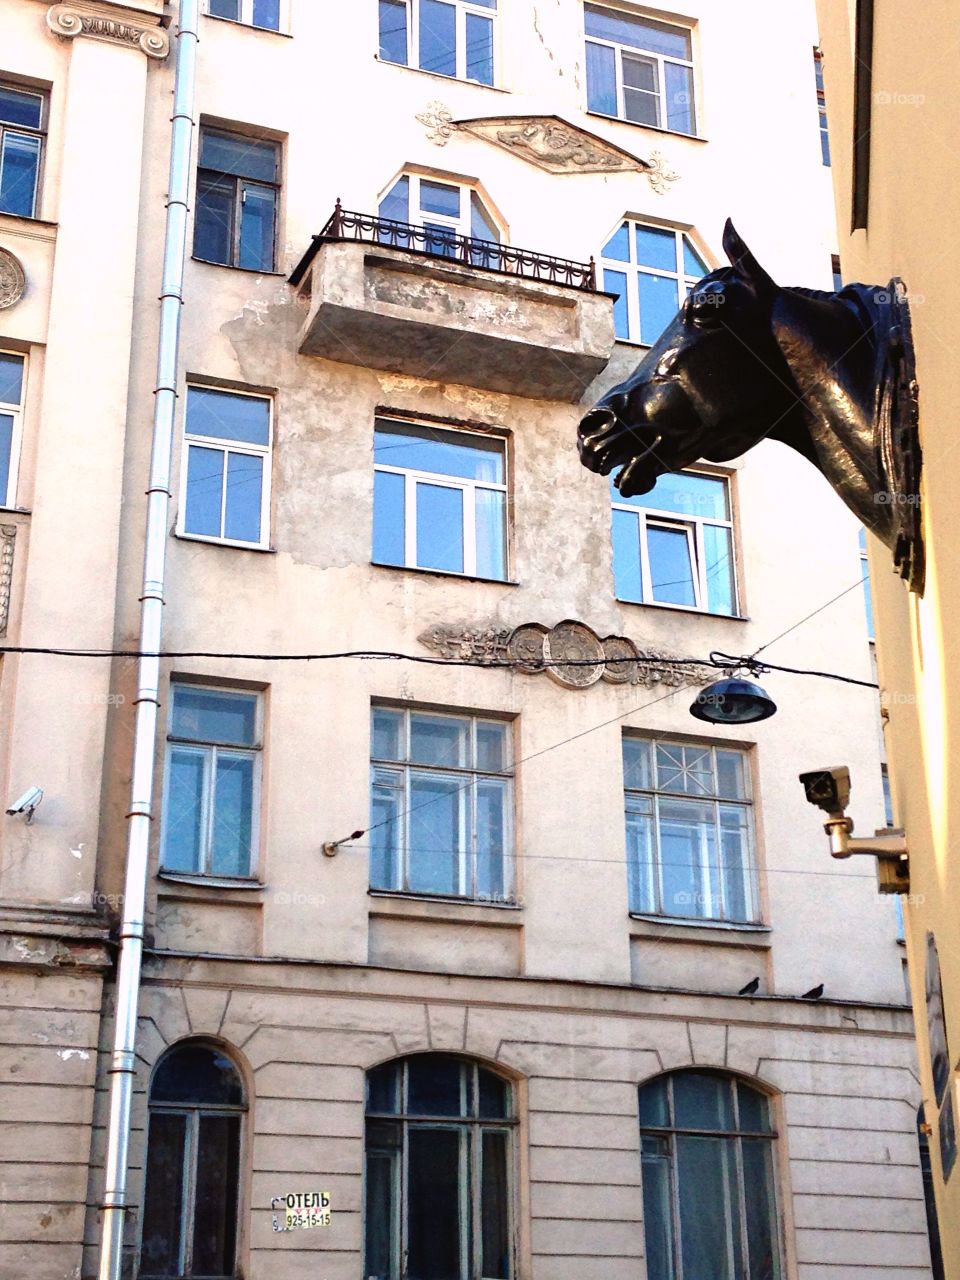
{"x":432,"y":304}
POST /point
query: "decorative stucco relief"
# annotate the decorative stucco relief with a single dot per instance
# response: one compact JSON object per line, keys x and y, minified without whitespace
{"x":67,"y":20}
{"x":13,"y":279}
{"x":552,"y":144}
{"x":8,"y":533}
{"x":438,"y":122}
{"x":536,"y":648}
{"x":659,"y":173}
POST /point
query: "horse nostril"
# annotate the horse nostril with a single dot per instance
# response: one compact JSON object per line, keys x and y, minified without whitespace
{"x":598,"y":420}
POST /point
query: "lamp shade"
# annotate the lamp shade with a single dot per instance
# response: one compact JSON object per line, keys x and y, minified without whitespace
{"x":732,"y":701}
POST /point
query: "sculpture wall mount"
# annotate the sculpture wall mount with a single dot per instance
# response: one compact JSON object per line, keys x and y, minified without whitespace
{"x":8,"y":534}
{"x":13,"y":279}
{"x":571,"y":653}
{"x":831,"y":374}
{"x":77,"y":20}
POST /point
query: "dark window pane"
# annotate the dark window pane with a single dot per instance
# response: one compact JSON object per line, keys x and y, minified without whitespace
{"x":225,"y":9}
{"x":396,"y":203}
{"x":213,"y":225}
{"x":433,"y":1204}
{"x":258,"y":218}
{"x":754,"y":1110}
{"x":628,"y":582}
{"x":762,"y":1246}
{"x":214,"y":715}
{"x":163,"y":1197}
{"x":440,"y":740}
{"x":244,"y":497}
{"x":19,"y":166}
{"x":386,"y":799}
{"x":709,"y":1210}
{"x":195,"y":1073}
{"x":656,"y":248}
{"x":388,"y":518}
{"x":702,"y":1101}
{"x":657,"y":1208}
{"x":601,"y":79}
{"x":438,"y":37}
{"x":437,"y":834}
{"x":383,"y":1088}
{"x":616,"y":282}
{"x":655,"y":1105}
{"x":479,"y":54}
{"x":435,"y":1085}
{"x":18,"y":106}
{"x":482,"y":227}
{"x":693,"y":264}
{"x":11,"y":378}
{"x":381,"y":1214}
{"x":442,"y":453}
{"x":232,"y":845}
{"x":215,"y":1212}
{"x":494,"y":1102}
{"x":266,"y":14}
{"x":228,"y":417}
{"x":636,"y":763}
{"x":393,"y":32}
{"x":238,"y":155}
{"x":440,"y":528}
{"x":618,"y":246}
{"x":439,"y":197}
{"x":492,"y":799}
{"x":387,"y":734}
{"x":6,"y":450}
{"x":183,"y":815}
{"x":494,"y":1206}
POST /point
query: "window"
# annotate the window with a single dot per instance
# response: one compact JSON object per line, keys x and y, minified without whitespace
{"x":867,"y":592}
{"x":253,"y":13}
{"x":237,"y":194}
{"x":689,"y":830}
{"x":440,"y":500}
{"x":450,"y":37}
{"x":212,"y":792}
{"x":193,"y":1166}
{"x":225,"y":486}
{"x":21,"y":146}
{"x":709,"y":1194}
{"x":821,"y":106}
{"x":651,"y":270}
{"x":439,"y":1171}
{"x":837,"y":273}
{"x":441,"y":805}
{"x":445,"y":210}
{"x":12,"y":386}
{"x":639,"y":70}
{"x":674,"y":545}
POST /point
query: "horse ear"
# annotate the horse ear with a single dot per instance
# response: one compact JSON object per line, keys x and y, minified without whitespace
{"x":743,"y":261}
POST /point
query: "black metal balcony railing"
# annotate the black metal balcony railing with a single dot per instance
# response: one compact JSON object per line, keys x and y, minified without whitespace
{"x":486,"y":255}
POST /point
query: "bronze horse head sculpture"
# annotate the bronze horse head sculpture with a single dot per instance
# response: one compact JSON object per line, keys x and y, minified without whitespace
{"x":745,"y":359}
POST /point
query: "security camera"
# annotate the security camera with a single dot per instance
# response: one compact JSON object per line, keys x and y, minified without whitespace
{"x":27,"y":803}
{"x":828,"y":789}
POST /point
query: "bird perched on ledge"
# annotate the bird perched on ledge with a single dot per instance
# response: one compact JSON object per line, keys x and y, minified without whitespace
{"x":751,"y":987}
{"x":814,"y":993}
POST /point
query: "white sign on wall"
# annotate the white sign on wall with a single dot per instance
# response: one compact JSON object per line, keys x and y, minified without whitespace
{"x":299,"y":1210}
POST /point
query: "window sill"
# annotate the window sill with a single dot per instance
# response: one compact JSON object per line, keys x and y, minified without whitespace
{"x":220,"y":542}
{"x":16,"y":511}
{"x":410,"y":906}
{"x":678,"y":608}
{"x":14,"y":222}
{"x":245,"y":883}
{"x":654,"y":128}
{"x":442,"y":573}
{"x":701,"y":932}
{"x":436,"y":75}
{"x":229,"y":266}
{"x":248,"y":26}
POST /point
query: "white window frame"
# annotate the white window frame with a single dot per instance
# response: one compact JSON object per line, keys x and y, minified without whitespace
{"x":462,"y":7}
{"x":633,"y":267}
{"x":227,"y":447}
{"x":693,"y":526}
{"x":211,"y":751}
{"x":8,"y":497}
{"x":246,"y":16}
{"x":28,"y":131}
{"x":657,"y":59}
{"x":645,"y":802}
{"x":461,"y":226}
{"x":468,"y":488}
{"x":400,"y":780}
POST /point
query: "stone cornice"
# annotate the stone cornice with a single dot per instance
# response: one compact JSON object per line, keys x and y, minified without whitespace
{"x":102,"y":22}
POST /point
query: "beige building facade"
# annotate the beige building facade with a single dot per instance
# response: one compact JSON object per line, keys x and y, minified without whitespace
{"x":901,"y":187}
{"x":552,"y":1010}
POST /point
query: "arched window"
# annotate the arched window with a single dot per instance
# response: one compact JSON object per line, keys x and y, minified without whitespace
{"x":709,"y":1199}
{"x":193,"y":1166}
{"x":444,"y":213}
{"x":650,"y":269}
{"x":439,"y":1171}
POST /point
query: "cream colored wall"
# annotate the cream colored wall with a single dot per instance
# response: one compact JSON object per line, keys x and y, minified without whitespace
{"x":914,"y":197}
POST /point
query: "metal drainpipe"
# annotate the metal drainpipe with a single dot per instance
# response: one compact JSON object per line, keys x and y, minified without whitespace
{"x":123,"y":1060}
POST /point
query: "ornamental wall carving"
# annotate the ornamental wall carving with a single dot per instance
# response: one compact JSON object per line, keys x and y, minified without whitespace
{"x":74,"y":20}
{"x":571,"y":653}
{"x":8,"y":533}
{"x":13,"y":280}
{"x":552,"y":144}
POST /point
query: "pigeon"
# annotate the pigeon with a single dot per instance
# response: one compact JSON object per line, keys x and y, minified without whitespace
{"x":750,"y":988}
{"x":814,"y":993}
